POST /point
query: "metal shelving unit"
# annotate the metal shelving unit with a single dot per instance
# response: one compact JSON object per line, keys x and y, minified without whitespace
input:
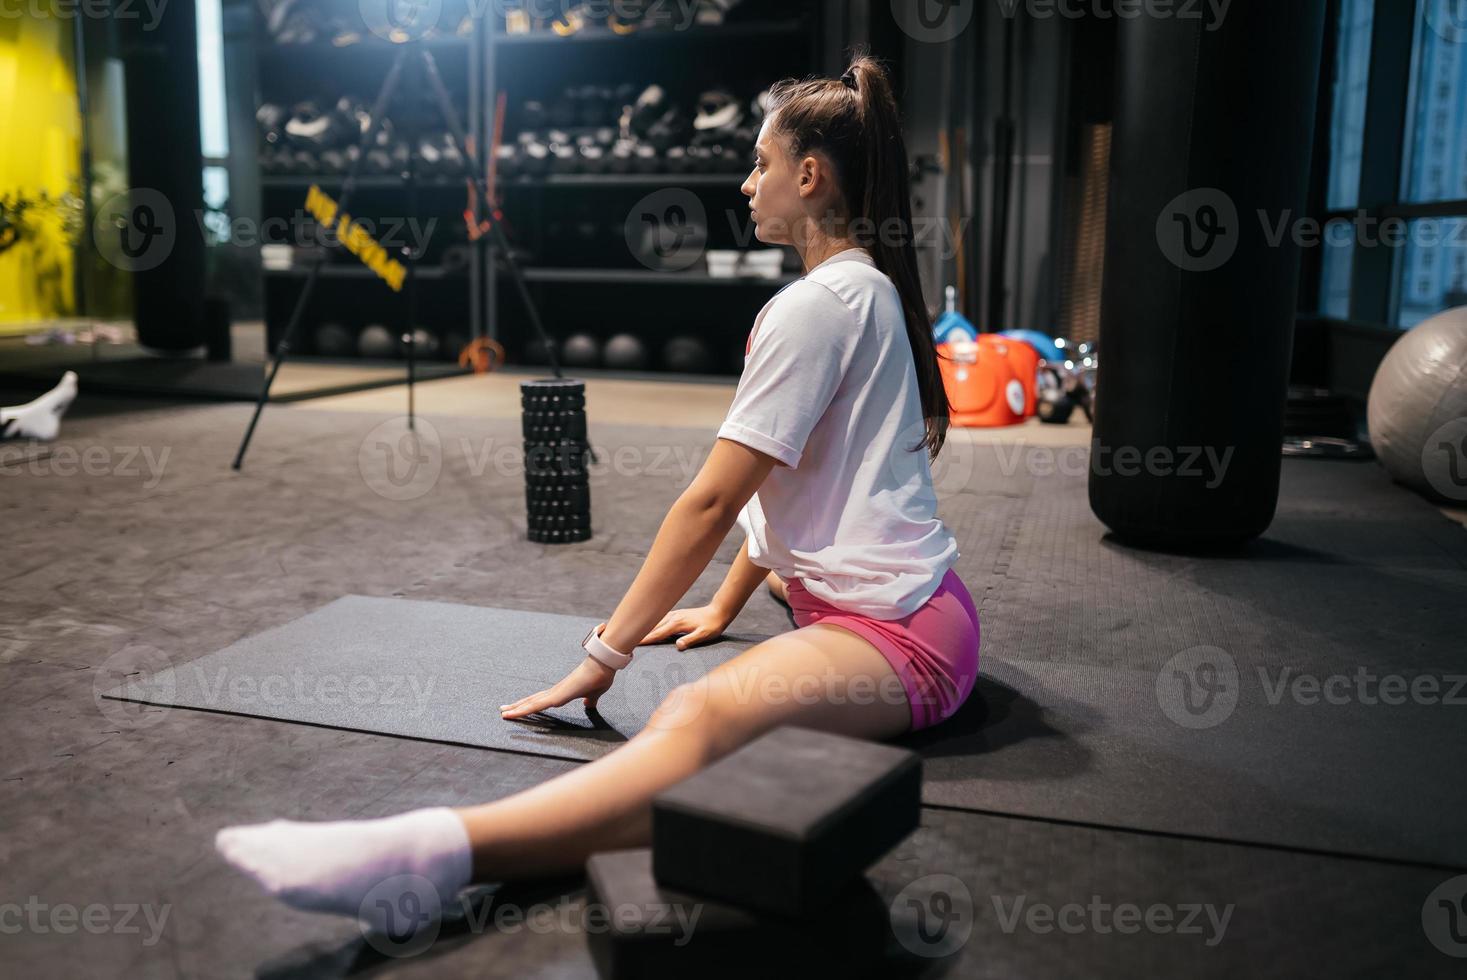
{"x":635,"y":57}
{"x":650,"y":277}
{"x":287,"y":73}
{"x":721,"y":34}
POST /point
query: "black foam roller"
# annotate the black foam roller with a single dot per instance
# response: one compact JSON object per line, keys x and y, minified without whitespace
{"x":557,"y":453}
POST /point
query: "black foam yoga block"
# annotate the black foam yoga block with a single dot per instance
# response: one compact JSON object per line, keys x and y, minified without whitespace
{"x":639,"y":929}
{"x":784,"y":822}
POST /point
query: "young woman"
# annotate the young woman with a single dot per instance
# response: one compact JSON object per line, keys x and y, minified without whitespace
{"x":823,"y":462}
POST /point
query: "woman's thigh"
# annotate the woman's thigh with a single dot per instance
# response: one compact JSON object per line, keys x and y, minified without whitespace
{"x":820,"y":676}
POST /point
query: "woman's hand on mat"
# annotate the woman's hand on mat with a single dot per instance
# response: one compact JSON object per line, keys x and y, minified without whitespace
{"x":701,"y":625}
{"x":589,"y":680}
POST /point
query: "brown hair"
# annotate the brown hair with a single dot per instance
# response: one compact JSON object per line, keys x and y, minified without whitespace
{"x":854,"y":121}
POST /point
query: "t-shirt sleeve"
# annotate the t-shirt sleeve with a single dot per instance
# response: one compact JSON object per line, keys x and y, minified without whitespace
{"x":799,"y":357}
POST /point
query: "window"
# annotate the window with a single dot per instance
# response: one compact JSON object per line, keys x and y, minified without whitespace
{"x":1352,"y":81}
{"x":1433,"y":269}
{"x":213,"y":120}
{"x":1339,"y":262}
{"x":1397,"y":162}
{"x":1435,"y":167}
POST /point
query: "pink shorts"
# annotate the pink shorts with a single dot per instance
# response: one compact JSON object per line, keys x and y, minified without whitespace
{"x":934,"y":651}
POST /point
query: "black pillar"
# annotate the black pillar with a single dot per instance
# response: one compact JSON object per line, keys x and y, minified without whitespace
{"x":1210,"y":158}
{"x":164,"y":163}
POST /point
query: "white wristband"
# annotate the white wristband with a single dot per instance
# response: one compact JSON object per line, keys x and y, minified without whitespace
{"x":601,"y":652}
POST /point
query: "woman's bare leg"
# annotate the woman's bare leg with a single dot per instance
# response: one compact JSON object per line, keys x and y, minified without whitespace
{"x":821,"y":677}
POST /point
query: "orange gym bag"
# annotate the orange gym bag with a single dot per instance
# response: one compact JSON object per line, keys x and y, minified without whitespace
{"x":991,"y":382}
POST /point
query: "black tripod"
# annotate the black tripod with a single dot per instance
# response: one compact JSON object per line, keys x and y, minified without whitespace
{"x":476,"y":175}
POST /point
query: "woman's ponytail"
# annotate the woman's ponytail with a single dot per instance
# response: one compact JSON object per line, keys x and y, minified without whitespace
{"x":854,"y":120}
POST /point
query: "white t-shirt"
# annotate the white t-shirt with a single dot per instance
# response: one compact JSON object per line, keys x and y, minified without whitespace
{"x":829,"y":389}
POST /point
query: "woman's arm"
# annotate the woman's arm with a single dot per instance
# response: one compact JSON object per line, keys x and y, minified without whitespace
{"x":690,"y":535}
{"x":705,"y":623}
{"x":738,"y":585}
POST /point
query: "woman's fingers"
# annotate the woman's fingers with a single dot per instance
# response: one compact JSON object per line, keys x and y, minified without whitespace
{"x":529,"y":706}
{"x":670,"y":626}
{"x":538,"y":701}
{"x":699,"y":635}
{"x":517,"y":709}
{"x":528,"y":698}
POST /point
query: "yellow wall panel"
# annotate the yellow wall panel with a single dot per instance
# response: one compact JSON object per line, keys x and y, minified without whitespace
{"x":40,"y":153}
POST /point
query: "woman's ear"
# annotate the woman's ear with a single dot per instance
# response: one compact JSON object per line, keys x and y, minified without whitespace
{"x":811,"y":174}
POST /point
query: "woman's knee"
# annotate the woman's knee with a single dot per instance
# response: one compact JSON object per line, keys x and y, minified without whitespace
{"x":684,"y":712}
{"x":705,"y":714}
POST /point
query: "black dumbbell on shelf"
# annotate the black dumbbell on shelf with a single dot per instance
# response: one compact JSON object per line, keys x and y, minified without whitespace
{"x":507,"y":160}
{"x":533,"y":158}
{"x":599,"y":129}
{"x":621,"y":156}
{"x":676,"y":160}
{"x":592,"y":159}
{"x":645,"y":159}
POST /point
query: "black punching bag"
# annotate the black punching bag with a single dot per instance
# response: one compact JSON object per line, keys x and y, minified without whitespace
{"x":1214,"y":124}
{"x":156,"y":224}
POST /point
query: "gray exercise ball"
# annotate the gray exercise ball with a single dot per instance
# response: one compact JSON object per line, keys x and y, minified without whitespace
{"x":377,"y":341}
{"x":625,"y":352}
{"x":687,"y":355}
{"x":425,"y":343}
{"x":334,"y":340}
{"x":1417,"y":410}
{"x":581,"y":350}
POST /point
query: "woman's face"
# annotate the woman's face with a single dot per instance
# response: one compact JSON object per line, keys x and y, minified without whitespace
{"x":782,"y":192}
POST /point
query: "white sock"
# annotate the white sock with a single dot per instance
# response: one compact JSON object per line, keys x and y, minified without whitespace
{"x":391,"y":873}
{"x":39,"y":419}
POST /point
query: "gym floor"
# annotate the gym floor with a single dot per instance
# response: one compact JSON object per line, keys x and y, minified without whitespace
{"x":1300,"y":836}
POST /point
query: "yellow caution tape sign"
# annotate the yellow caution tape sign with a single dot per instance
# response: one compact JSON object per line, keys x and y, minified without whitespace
{"x":324,"y":209}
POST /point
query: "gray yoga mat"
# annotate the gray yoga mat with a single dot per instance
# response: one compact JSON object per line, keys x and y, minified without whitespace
{"x":429,"y":670}
{"x":1076,"y":742}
